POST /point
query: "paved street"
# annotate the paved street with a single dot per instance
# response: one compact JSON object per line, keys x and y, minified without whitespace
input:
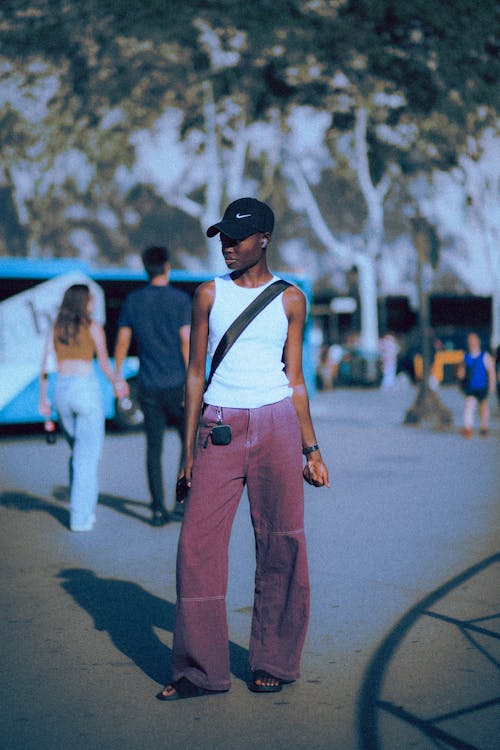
{"x":403,"y":649}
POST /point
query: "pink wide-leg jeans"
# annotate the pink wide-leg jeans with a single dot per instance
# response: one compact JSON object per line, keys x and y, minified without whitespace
{"x":264,"y":454}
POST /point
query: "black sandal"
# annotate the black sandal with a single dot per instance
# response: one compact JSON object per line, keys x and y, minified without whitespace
{"x":184,"y":688}
{"x":262,"y":676}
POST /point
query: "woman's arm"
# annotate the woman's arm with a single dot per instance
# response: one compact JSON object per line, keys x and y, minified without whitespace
{"x":44,"y":405}
{"x":184,"y":335}
{"x":196,"y":372}
{"x":122,"y":346}
{"x":97,"y":333}
{"x":315,"y":470}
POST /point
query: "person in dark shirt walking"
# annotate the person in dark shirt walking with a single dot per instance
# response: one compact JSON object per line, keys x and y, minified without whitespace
{"x":159,"y":317}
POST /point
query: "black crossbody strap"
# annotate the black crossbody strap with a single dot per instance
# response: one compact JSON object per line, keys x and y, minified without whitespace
{"x":243,"y":320}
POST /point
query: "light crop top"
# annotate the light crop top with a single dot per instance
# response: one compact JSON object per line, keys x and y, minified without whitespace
{"x":83,"y":348}
{"x":252,"y":372}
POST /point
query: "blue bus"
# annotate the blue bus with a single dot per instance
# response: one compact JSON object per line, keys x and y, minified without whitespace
{"x":30,"y":293}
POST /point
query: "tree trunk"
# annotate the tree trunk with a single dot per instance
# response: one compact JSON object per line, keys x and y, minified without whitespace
{"x":374,"y":196}
{"x":427,"y":406}
{"x":367,"y":280}
{"x":367,"y":277}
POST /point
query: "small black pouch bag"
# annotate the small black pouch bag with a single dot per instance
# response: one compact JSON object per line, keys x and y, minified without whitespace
{"x":220,"y":434}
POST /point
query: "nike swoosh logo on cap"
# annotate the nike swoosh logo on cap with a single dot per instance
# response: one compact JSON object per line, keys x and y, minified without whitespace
{"x":242,"y":216}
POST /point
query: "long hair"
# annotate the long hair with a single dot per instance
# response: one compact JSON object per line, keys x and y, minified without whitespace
{"x":72,"y":314}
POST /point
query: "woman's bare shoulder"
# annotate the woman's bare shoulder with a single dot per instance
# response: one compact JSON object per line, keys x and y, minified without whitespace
{"x":205,"y":294}
{"x":294,"y":300}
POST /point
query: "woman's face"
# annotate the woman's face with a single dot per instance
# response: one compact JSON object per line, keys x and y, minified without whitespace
{"x":90,"y":304}
{"x":240,"y":255}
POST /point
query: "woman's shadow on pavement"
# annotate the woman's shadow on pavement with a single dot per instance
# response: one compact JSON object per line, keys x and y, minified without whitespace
{"x":129,"y":614}
{"x":27,"y":503}
{"x":123,"y":505}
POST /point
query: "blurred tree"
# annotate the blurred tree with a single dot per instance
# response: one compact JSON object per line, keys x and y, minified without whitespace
{"x":404,"y":84}
{"x":427,"y":404}
{"x":393,"y":74}
{"x":463,"y":203}
{"x":119,"y":67}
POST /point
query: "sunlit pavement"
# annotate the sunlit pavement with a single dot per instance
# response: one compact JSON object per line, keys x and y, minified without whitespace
{"x":403,"y":645}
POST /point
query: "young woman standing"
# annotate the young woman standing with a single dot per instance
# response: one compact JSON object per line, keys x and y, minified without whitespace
{"x":258,"y":392}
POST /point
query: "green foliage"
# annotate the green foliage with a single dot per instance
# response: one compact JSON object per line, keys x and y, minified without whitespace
{"x":135,"y":58}
{"x":430,"y":49}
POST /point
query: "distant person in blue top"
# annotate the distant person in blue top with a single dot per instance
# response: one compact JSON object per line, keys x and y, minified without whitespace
{"x":159,"y":317}
{"x":477,"y":376}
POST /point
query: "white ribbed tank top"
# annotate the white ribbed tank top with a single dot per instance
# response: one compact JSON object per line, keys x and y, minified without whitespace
{"x":252,"y":372}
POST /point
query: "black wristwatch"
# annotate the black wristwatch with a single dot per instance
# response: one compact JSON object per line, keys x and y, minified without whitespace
{"x":310,"y":449}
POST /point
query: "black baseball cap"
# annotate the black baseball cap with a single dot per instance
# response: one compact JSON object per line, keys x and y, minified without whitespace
{"x":242,"y":218}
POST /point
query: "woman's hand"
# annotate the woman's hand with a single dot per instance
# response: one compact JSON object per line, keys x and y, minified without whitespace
{"x":184,"y":483}
{"x":316,"y":473}
{"x":121,"y":388}
{"x":182,"y":489}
